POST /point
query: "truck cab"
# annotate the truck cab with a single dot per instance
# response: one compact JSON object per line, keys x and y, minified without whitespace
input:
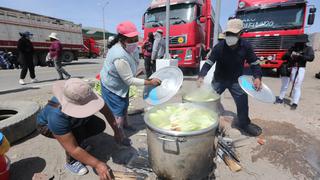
{"x":191,"y":28}
{"x":90,"y":48}
{"x":271,"y":26}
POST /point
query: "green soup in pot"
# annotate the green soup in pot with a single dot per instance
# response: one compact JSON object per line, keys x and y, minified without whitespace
{"x":182,"y":118}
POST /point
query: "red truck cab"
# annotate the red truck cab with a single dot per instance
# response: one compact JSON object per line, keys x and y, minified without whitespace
{"x":271,"y":26}
{"x":90,"y":48}
{"x":191,"y":28}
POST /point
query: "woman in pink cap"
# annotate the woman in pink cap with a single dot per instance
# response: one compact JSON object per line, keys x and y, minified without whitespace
{"x":117,"y":74}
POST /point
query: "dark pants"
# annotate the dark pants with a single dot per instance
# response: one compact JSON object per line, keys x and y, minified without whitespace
{"x":60,"y":69}
{"x":90,"y":126}
{"x":25,"y":65}
{"x":150,"y":67}
{"x":240,"y":98}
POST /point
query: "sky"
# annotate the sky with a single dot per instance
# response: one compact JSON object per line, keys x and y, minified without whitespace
{"x":90,"y":13}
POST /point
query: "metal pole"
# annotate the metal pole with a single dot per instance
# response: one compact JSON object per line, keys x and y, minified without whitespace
{"x":216,"y":22}
{"x":167,"y":54}
{"x":104,"y":31}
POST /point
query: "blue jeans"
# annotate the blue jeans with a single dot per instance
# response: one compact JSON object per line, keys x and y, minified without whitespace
{"x":239,"y":97}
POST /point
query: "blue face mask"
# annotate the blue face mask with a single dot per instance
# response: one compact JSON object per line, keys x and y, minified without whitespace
{"x":131,"y":47}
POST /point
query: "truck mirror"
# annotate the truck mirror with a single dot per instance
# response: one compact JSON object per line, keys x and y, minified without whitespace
{"x":312,"y":10}
{"x":202,"y":19}
{"x":143,"y":17}
{"x":311,"y":18}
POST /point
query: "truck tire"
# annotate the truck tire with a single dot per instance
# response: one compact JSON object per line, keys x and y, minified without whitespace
{"x":67,"y":56}
{"x":18,"y":119}
{"x":94,"y":56}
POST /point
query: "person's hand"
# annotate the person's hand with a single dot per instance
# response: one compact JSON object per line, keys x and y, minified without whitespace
{"x":154,"y":82}
{"x":200,"y":81}
{"x":295,"y":54}
{"x":257,"y":84}
{"x":153,"y":62}
{"x":104,"y":171}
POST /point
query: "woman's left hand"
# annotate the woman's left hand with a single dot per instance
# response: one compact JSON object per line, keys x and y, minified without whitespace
{"x":154,"y":82}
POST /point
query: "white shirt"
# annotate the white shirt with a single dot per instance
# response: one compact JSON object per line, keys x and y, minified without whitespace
{"x":125,"y":72}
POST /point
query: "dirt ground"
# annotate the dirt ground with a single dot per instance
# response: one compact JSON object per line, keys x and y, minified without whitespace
{"x":291,"y":151}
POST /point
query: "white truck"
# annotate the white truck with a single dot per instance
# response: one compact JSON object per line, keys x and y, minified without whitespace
{"x":13,"y":21}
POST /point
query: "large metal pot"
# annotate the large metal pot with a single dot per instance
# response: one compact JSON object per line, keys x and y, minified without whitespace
{"x":214,"y":104}
{"x":181,"y":155}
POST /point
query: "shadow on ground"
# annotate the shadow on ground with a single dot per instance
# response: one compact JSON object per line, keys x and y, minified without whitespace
{"x":26,"y":168}
{"x":34,"y":134}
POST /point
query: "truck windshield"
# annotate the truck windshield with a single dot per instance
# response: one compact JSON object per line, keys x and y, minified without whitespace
{"x":272,"y":19}
{"x":179,"y":14}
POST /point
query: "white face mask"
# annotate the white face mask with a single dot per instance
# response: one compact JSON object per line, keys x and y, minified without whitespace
{"x":131,"y":47}
{"x":232,"y":40}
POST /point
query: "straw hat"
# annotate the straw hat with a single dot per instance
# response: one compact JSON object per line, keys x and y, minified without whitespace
{"x":77,"y":98}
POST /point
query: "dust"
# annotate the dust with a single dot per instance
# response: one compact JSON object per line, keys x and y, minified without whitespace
{"x":290,"y":148}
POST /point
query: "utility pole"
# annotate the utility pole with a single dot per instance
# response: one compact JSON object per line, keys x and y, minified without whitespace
{"x":167,"y":54}
{"x":104,"y":31}
{"x":216,"y":22}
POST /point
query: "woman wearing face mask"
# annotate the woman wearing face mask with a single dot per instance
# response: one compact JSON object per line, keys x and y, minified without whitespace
{"x":117,"y":74}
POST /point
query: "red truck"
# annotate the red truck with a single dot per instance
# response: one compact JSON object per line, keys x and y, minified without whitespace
{"x":271,"y":26}
{"x":90,"y":48}
{"x":70,"y":34}
{"x":191,"y":28}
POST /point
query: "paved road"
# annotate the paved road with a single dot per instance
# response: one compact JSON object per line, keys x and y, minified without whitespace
{"x":84,"y":68}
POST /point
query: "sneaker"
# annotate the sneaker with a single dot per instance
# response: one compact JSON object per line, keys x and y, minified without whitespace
{"x":34,"y":80}
{"x":77,"y":167}
{"x":278,"y":101}
{"x":68,"y":77}
{"x":252,"y":130}
{"x":21,"y":81}
{"x":294,"y":106}
{"x":317,"y":75}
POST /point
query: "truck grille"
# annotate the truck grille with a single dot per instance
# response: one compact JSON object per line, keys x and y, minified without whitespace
{"x":272,"y":42}
{"x":175,"y":39}
{"x":176,"y":52}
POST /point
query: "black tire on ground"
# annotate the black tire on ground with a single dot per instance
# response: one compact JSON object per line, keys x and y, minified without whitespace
{"x":18,"y":119}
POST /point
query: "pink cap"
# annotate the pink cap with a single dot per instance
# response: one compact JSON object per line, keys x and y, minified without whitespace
{"x":127,"y":29}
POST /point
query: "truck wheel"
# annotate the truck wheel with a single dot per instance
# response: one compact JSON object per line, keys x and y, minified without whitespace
{"x":67,"y":56}
{"x":18,"y":119}
{"x":94,"y":56}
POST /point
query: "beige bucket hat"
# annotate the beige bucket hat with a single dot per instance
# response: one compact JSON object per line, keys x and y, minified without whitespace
{"x":234,"y":26}
{"x":77,"y":98}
